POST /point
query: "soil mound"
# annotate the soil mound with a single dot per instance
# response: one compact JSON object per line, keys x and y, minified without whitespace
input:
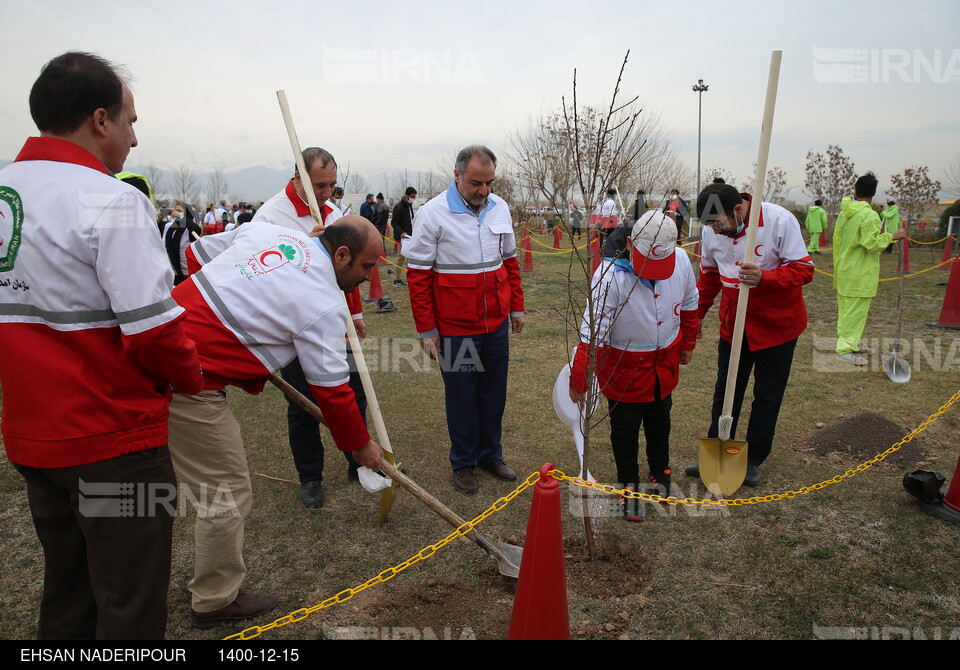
{"x":863,"y":436}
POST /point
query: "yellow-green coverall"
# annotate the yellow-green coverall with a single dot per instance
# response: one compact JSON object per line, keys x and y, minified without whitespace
{"x":857,"y":244}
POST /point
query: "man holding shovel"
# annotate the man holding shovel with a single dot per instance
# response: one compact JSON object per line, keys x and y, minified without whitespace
{"x":776,"y":313}
{"x":272,"y":295}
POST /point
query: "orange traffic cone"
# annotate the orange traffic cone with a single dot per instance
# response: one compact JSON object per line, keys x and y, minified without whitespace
{"x":950,"y":314}
{"x":595,"y":254}
{"x":376,"y":290}
{"x":528,"y":252}
{"x":556,"y":237}
{"x":947,"y":253}
{"x":540,"y":604}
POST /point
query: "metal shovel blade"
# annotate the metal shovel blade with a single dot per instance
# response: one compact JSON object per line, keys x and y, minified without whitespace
{"x":896,"y":366}
{"x":723,"y":465}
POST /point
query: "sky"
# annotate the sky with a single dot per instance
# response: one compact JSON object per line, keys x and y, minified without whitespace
{"x":402,"y":85}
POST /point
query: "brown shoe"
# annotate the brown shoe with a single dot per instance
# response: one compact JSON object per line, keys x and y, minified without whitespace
{"x":500,"y":470}
{"x":465,"y":480}
{"x":246,"y":606}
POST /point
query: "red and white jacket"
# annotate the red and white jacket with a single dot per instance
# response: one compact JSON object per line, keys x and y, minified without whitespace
{"x":776,"y":312}
{"x":270,"y":297}
{"x":641,"y":327}
{"x":90,"y":338}
{"x":605,"y":215}
{"x":285,"y":209}
{"x":462,"y":267}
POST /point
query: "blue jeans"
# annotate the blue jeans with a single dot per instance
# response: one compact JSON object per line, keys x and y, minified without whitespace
{"x":474,"y":369}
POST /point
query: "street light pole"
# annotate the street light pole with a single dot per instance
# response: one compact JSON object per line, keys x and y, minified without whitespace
{"x":699,"y":89}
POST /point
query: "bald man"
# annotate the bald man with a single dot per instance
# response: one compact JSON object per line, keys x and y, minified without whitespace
{"x":272,"y":295}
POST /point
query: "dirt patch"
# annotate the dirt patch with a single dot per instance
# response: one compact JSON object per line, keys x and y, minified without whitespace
{"x":618,"y":581}
{"x":441,"y":608}
{"x":863,"y":436}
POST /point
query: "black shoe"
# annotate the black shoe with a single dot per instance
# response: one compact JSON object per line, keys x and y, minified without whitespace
{"x":500,"y":470}
{"x":311,"y":494}
{"x":391,"y":271}
{"x":399,"y":282}
{"x":660,"y":483}
{"x":386,"y":305}
{"x":692,"y":470}
{"x":631,"y":508}
{"x":353,"y":474}
{"x":246,"y":606}
{"x":465,"y":480}
{"x":754,"y":476}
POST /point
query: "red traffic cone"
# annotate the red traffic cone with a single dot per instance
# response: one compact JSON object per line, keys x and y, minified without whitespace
{"x":923,"y":226}
{"x":595,"y":254}
{"x":540,"y":604}
{"x":906,"y":256}
{"x":396,"y":246}
{"x":823,"y":238}
{"x":528,"y":252}
{"x":556,"y":237}
{"x":952,"y":497}
{"x":947,"y":253}
{"x":376,"y":290}
{"x":950,"y":314}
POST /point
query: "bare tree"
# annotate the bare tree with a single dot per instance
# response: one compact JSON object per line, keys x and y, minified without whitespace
{"x":355,"y":183}
{"x":185,"y":187}
{"x":774,"y":186}
{"x":218,"y":187}
{"x":157,"y":180}
{"x":829,"y":178}
{"x":605,"y":147}
{"x":709,"y":174}
{"x":913,"y":191}
{"x":542,"y":158}
{"x":952,"y":182}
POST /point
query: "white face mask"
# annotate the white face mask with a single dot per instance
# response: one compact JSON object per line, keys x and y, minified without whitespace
{"x":674,"y":196}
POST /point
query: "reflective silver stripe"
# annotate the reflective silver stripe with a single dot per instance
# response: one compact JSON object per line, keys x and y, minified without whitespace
{"x":317,"y":380}
{"x":419,"y":261}
{"x":142,"y":313}
{"x":272,"y":363}
{"x":204,"y":256}
{"x":628,"y":345}
{"x":80,"y":316}
{"x":468,"y":266}
{"x":513,"y":255}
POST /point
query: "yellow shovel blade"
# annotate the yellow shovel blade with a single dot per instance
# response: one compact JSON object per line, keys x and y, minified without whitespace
{"x":723,"y":465}
{"x":388,"y":494}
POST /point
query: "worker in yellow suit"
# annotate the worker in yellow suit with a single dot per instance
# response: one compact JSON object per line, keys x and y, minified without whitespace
{"x":857,"y":244}
{"x":816,"y":223}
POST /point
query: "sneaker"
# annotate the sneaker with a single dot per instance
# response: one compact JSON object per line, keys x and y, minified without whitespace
{"x":630,"y":509}
{"x":754,"y":476}
{"x":500,"y":470}
{"x":311,"y":494}
{"x":399,"y":282}
{"x":465,"y":480}
{"x":661,"y":483}
{"x":692,"y":470}
{"x":246,"y":606}
{"x":391,"y":271}
{"x":353,"y":474}
{"x":386,"y":305}
{"x":864,"y":350}
{"x":853,"y":357}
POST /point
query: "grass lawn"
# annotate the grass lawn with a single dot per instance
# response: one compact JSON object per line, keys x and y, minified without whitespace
{"x":855,"y":555}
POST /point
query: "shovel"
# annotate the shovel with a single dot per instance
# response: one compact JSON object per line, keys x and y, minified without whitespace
{"x":723,"y":462}
{"x":895,"y":365}
{"x":507,"y":556}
